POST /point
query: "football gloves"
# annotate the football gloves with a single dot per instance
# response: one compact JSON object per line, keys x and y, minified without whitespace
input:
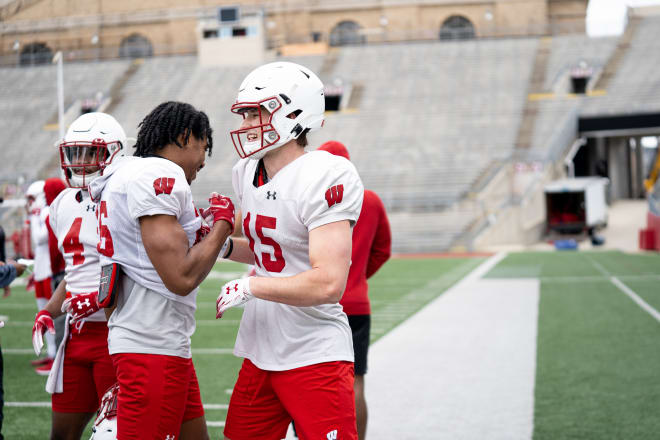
{"x":221,"y":208}
{"x":42,"y":322}
{"x":202,"y":232}
{"x":232,"y":294}
{"x":81,"y":306}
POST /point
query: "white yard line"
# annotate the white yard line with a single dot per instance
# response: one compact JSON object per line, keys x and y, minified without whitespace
{"x":462,"y":368}
{"x":28,"y":404}
{"x":6,"y":351}
{"x":640,"y":302}
{"x":627,"y":290}
{"x":216,"y":406}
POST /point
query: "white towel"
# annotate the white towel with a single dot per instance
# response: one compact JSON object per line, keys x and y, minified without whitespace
{"x":55,"y":381}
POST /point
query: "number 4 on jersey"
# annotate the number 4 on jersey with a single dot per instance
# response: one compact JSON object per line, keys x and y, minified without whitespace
{"x":72,"y":244}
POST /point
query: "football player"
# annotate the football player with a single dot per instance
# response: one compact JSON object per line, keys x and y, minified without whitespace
{"x":148,"y":226}
{"x":37,"y":214}
{"x":298,"y":209}
{"x":372,"y":246}
{"x":83,"y":370}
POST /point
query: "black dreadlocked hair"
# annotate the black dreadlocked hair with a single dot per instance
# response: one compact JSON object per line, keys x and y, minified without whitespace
{"x":166,"y":123}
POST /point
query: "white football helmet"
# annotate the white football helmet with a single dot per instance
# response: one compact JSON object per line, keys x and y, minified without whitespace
{"x":105,"y":425}
{"x":35,"y":196}
{"x":292,"y":95}
{"x":91,"y":143}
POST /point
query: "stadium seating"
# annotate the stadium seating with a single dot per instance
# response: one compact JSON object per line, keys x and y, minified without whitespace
{"x":430,"y":118}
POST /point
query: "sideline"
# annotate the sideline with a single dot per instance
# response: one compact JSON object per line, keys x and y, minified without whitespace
{"x":461,"y":368}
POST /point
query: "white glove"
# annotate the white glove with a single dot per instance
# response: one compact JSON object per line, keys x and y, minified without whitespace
{"x":42,"y":322}
{"x":232,"y":294}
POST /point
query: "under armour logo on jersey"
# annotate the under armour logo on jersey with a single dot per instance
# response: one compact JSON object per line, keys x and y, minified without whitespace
{"x":82,"y":304}
{"x":91,"y":208}
{"x":269,"y":195}
{"x":164,"y":185}
{"x":334,"y":194}
{"x":332,"y":435}
{"x":229,"y":288}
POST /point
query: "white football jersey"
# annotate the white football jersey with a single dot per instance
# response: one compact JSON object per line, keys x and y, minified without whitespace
{"x":135,"y":188}
{"x":39,"y":237}
{"x":131,"y":188}
{"x":316,"y":189}
{"x":73,"y":221}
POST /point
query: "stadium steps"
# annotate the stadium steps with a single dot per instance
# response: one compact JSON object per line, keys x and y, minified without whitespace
{"x":526,"y":128}
{"x":116,"y":91}
{"x":614,"y":64}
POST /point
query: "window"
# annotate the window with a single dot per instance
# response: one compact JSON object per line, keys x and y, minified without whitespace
{"x":346,"y":32}
{"x":35,"y":53}
{"x":457,"y":28}
{"x":135,"y":46}
{"x":230,"y":14}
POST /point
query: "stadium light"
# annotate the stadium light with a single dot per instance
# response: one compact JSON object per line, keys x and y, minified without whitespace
{"x":57,"y":59}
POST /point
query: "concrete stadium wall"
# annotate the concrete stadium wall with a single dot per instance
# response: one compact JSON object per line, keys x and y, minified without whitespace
{"x":171,"y":26}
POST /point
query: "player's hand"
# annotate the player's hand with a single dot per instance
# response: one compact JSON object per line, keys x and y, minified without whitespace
{"x":221,"y":208}
{"x":232,"y":294}
{"x":202,"y":232}
{"x":81,"y":306}
{"x":42,"y":322}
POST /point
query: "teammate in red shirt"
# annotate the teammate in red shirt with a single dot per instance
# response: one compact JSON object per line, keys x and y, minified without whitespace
{"x":371,"y":249}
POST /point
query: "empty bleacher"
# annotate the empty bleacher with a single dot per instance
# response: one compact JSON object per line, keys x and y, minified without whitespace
{"x":431,"y":117}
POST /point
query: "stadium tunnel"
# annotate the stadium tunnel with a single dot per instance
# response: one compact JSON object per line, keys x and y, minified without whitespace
{"x":622,"y":148}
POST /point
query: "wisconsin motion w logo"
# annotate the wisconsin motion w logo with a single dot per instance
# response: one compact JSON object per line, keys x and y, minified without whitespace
{"x":164,"y":185}
{"x":334,"y":195}
{"x":332,"y":435}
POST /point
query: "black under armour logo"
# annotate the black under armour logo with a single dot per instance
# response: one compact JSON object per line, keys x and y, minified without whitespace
{"x":269,"y":195}
{"x":91,"y":208}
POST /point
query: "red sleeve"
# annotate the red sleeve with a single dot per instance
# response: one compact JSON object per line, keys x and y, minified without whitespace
{"x":56,"y":258}
{"x":381,"y":248}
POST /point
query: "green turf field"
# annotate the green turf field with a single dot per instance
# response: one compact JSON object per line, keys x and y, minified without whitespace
{"x":402,"y":287}
{"x":597,"y":357}
{"x":598,"y":352}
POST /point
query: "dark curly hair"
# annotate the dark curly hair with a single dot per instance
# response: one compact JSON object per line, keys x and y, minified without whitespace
{"x":166,"y":123}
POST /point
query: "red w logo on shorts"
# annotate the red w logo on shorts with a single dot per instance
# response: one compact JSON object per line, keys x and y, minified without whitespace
{"x":334,"y":194}
{"x":164,"y":185}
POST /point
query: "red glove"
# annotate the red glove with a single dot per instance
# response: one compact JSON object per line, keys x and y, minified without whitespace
{"x":42,"y":322}
{"x":81,"y":306}
{"x":221,"y":208}
{"x":202,"y":232}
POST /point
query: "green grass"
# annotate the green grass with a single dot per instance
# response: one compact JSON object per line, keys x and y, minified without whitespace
{"x":598,"y":353}
{"x":398,"y":290}
{"x":597,"y":356}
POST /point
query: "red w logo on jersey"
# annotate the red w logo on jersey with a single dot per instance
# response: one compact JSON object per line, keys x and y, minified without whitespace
{"x":334,"y":194}
{"x":164,"y":185}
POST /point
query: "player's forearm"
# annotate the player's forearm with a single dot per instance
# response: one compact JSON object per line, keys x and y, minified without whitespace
{"x":54,"y":305}
{"x":241,"y":252}
{"x":198,"y":261}
{"x":310,"y":288}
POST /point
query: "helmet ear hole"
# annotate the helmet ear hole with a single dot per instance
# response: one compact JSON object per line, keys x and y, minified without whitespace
{"x":294,"y":114}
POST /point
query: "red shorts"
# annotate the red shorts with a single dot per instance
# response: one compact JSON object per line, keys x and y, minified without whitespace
{"x":43,"y":289}
{"x":157,"y":393}
{"x":88,"y":370}
{"x":319,"y":398}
